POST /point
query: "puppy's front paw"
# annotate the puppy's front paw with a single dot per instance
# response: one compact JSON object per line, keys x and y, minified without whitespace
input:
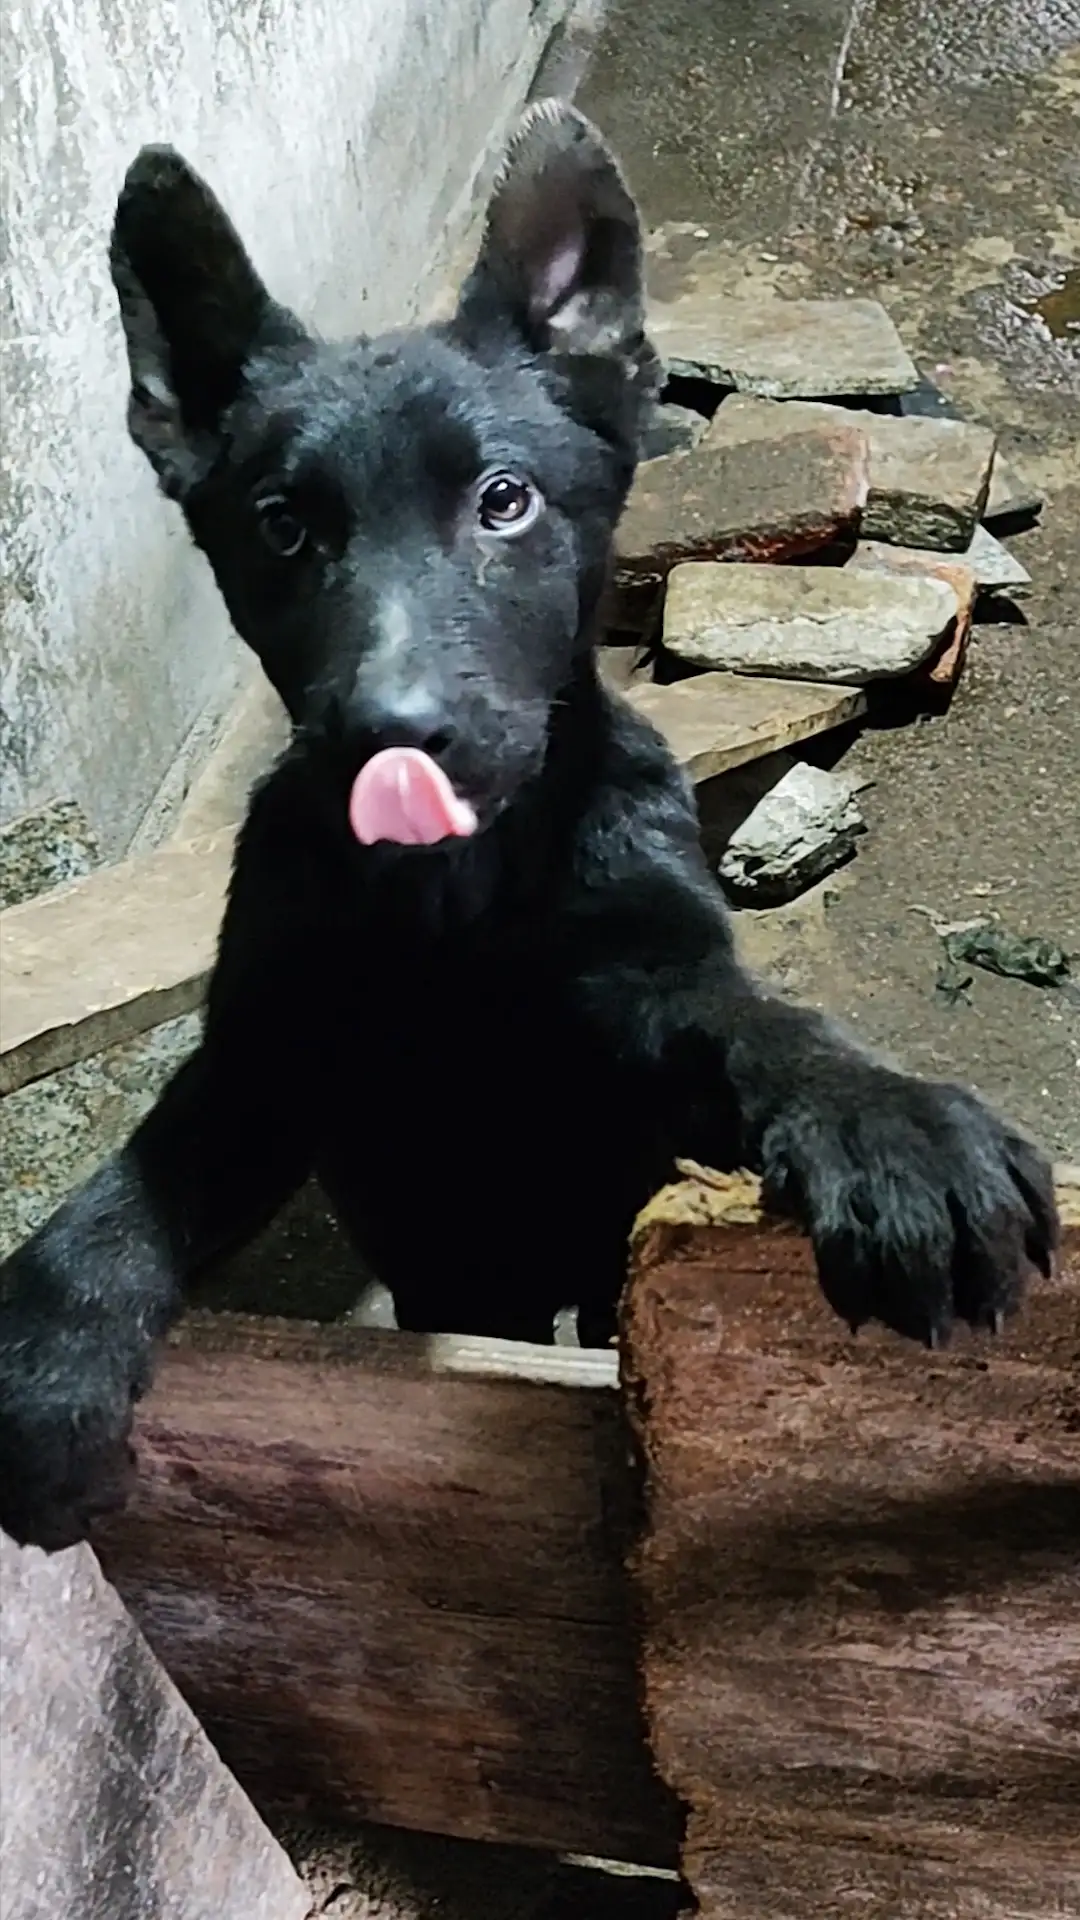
{"x":923,"y":1206}
{"x":67,"y":1395}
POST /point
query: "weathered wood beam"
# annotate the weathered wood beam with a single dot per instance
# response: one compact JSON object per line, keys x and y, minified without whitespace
{"x":387,"y":1573}
{"x":859,"y":1581}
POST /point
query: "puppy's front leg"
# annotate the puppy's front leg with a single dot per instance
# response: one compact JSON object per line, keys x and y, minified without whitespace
{"x":923,"y":1205}
{"x":83,"y":1302}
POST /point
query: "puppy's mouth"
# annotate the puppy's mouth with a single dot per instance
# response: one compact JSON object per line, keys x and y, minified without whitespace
{"x":401,"y":796}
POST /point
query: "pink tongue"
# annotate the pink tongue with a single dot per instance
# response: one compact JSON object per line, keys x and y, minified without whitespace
{"x":401,"y":795}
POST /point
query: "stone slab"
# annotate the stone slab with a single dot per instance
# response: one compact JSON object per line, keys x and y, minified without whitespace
{"x":945,"y":669}
{"x":115,"y":1805}
{"x":758,"y":501}
{"x":785,"y":349}
{"x":995,"y":568}
{"x":929,"y":479}
{"x":1011,"y":497}
{"x":672,"y":429}
{"x":722,"y":720}
{"x":829,"y":624}
{"x":799,"y":831}
{"x":109,"y":956}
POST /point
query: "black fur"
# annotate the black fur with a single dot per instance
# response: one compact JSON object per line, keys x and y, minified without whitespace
{"x":489,"y":1051}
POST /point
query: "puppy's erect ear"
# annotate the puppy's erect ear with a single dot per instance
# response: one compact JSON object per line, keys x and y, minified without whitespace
{"x":194,"y":311}
{"x":560,"y":262}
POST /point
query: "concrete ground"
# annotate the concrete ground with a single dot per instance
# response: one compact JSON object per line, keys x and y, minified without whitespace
{"x":929,"y":155}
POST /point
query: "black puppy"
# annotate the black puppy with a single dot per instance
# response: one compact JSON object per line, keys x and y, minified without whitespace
{"x":474,"y":972}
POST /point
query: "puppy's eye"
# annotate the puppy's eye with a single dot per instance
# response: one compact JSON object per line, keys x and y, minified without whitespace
{"x":506,"y":504}
{"x":280,"y":528}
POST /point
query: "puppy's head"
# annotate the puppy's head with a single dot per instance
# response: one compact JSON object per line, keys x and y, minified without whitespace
{"x":411,"y":532}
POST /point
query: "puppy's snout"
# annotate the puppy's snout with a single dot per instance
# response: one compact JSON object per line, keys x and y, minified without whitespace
{"x":399,"y":697}
{"x":399,"y":715}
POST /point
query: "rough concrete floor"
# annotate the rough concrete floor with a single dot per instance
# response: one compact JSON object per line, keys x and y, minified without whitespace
{"x":929,"y":154}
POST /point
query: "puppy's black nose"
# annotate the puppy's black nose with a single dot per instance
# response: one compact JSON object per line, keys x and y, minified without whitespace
{"x":410,"y":717}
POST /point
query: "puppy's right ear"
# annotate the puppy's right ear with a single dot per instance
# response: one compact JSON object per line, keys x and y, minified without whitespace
{"x":194,"y":311}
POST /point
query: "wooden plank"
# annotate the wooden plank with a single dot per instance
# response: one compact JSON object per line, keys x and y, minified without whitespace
{"x":388,"y":1575}
{"x":109,"y":956}
{"x":717,"y":721}
{"x":860,"y":1583}
{"x":115,"y":1804}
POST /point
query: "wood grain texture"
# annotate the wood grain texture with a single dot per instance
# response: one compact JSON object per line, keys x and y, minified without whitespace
{"x":860,"y":1584}
{"x":388,"y":1576}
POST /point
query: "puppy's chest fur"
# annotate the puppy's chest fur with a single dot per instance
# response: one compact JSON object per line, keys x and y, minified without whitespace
{"x":471,"y":1102}
{"x":482,"y":1026}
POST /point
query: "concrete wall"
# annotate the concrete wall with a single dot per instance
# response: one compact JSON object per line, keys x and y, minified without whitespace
{"x":343,"y":136}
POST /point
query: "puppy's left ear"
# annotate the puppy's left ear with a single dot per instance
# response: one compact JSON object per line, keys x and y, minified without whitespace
{"x":561,"y":259}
